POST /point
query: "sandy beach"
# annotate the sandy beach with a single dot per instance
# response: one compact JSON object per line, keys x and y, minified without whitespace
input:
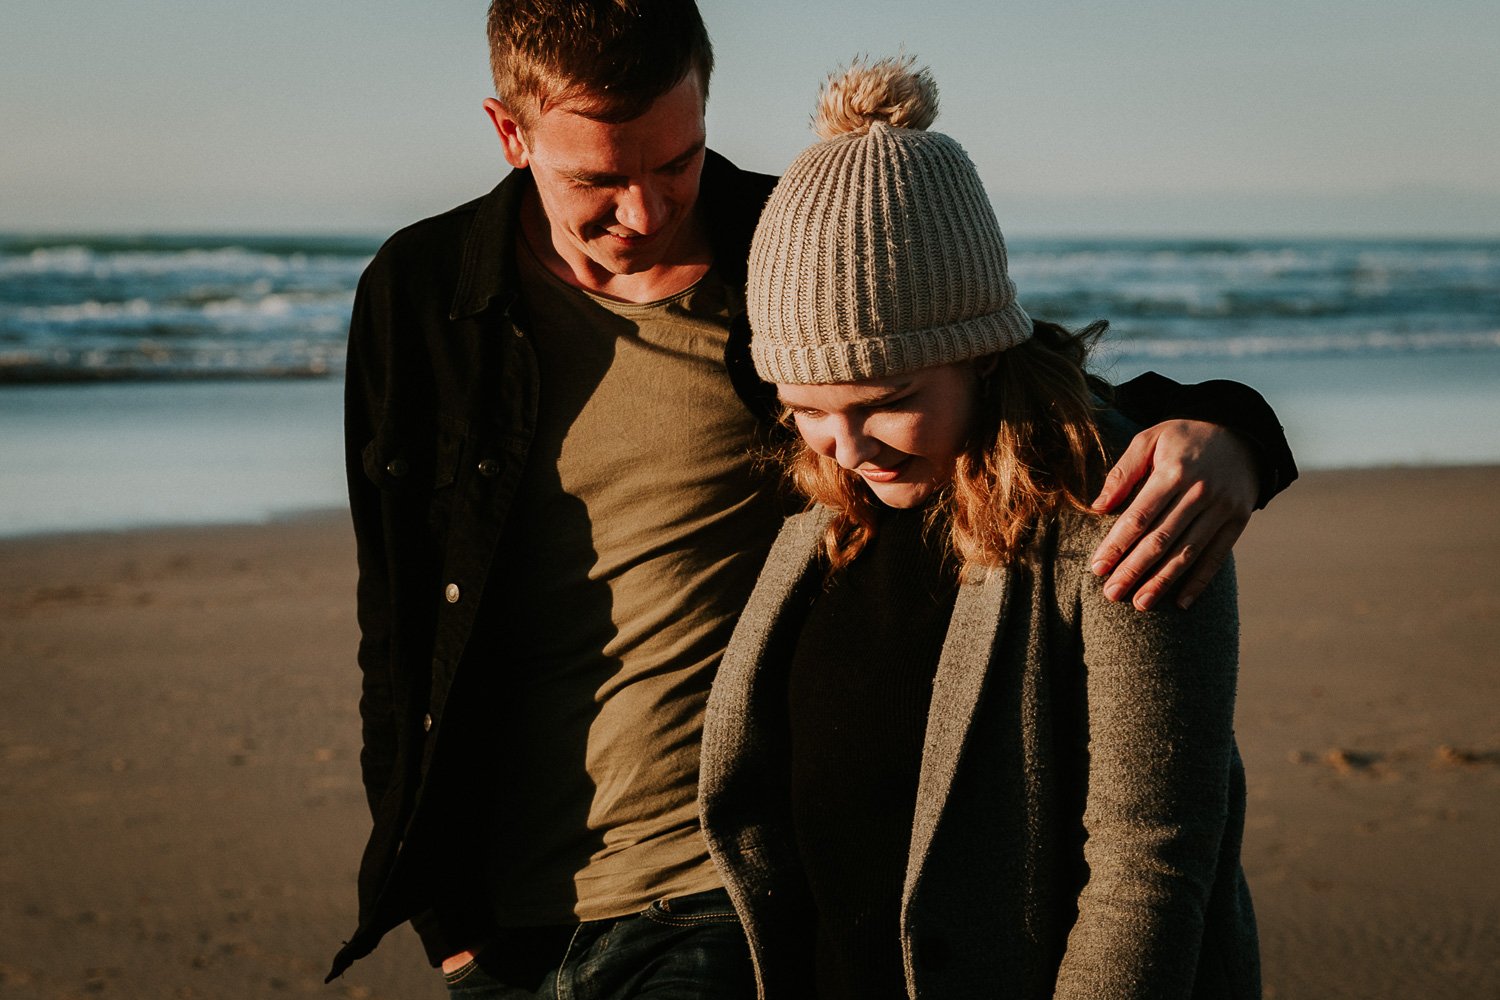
{"x":182,"y":813}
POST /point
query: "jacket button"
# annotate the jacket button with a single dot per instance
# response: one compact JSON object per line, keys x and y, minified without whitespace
{"x":397,"y":467}
{"x":451,"y":592}
{"x":489,"y":468}
{"x":427,"y":723}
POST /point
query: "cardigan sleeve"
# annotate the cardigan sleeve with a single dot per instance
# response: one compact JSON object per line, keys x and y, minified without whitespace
{"x":1160,"y":702}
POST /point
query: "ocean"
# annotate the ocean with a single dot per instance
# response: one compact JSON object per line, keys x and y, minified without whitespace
{"x":196,"y":379}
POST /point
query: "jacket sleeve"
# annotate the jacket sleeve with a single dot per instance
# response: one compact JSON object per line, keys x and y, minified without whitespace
{"x":1160,"y":697}
{"x":1151,"y":398}
{"x":363,"y":394}
{"x":448,"y":912}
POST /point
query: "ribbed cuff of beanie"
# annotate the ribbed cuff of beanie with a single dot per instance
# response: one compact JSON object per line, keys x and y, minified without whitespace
{"x":839,"y":361}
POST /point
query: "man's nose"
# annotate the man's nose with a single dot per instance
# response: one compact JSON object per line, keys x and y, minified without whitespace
{"x":641,"y":209}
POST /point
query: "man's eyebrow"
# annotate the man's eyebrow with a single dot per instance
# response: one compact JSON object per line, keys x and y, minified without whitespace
{"x":590,"y":176}
{"x":685,"y":157}
{"x":599,"y":177}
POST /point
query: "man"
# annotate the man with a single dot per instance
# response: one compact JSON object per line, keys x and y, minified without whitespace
{"x":552,"y":424}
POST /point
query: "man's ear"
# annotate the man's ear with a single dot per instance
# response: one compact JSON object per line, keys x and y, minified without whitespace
{"x":509,"y":131}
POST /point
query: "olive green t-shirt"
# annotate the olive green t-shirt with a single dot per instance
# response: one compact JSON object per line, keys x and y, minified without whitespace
{"x":640,"y":525}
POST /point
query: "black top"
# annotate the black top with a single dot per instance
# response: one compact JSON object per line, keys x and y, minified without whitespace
{"x":860,"y":685}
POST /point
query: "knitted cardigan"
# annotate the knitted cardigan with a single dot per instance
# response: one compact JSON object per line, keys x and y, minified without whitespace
{"x":1081,"y":800}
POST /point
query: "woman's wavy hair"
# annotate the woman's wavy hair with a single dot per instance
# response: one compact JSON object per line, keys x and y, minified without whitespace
{"x":1035,"y":449}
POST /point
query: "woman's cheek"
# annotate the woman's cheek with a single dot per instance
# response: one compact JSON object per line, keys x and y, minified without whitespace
{"x":815,"y":438}
{"x":902,"y":431}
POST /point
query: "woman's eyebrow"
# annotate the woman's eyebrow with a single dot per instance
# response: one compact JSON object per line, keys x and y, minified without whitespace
{"x":884,"y":393}
{"x":875,"y":396}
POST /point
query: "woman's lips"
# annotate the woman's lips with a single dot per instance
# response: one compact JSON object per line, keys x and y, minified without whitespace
{"x":876,"y":474}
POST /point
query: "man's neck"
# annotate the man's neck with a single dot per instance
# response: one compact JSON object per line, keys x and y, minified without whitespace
{"x":682,"y":268}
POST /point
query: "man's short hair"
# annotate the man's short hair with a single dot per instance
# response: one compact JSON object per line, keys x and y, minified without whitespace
{"x":608,"y":59}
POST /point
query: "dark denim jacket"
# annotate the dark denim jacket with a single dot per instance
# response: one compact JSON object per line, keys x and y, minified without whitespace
{"x":440,"y":408}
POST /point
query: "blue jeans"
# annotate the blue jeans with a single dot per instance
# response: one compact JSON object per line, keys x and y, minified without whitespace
{"x":684,"y":948}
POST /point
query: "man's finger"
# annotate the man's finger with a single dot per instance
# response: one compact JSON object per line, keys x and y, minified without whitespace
{"x":1167,"y":572}
{"x":1208,"y":564}
{"x":1127,"y":472}
{"x":1130,"y":531}
{"x":1186,"y":552}
{"x":1181,"y":530}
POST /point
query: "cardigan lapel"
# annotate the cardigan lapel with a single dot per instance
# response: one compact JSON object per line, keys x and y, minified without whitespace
{"x":741,"y":711}
{"x":962,"y":671}
{"x":793,"y":555}
{"x":741,"y":794}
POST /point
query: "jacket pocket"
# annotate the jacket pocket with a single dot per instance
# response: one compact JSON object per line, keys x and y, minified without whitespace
{"x":415,"y":469}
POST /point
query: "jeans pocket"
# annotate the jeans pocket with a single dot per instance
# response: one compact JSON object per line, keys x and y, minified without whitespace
{"x":695,"y":909}
{"x":461,"y":973}
{"x":470,"y":980}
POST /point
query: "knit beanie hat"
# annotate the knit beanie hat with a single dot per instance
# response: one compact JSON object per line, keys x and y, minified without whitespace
{"x":878,"y":252}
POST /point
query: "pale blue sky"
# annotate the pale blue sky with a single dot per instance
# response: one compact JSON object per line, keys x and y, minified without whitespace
{"x":1157,"y":116}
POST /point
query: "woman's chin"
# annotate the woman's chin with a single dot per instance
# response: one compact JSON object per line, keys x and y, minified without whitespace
{"x":902,"y":496}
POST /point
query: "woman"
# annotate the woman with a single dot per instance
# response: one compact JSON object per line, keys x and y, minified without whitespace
{"x":936,"y":761}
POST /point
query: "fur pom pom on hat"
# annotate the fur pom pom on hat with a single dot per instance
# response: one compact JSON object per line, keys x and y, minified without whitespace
{"x":878,"y":252}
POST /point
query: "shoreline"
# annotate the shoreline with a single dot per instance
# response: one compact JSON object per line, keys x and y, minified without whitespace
{"x":116,"y":456}
{"x":179,"y":742}
{"x":327,"y":511}
{"x":319,"y":513}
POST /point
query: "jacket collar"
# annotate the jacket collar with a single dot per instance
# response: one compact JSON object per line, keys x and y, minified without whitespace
{"x":488,"y":269}
{"x":730,"y":198}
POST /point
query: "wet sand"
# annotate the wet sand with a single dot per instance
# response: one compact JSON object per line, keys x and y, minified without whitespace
{"x":182,"y":814}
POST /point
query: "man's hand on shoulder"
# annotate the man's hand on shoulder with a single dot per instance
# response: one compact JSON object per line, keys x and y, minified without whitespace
{"x":1184,"y":519}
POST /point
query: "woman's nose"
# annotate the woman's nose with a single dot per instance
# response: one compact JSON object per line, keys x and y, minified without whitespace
{"x":853,"y":447}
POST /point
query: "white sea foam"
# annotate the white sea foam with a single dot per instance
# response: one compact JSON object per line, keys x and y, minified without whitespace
{"x":1268,"y":346}
{"x":144,"y":305}
{"x":84,"y":261}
